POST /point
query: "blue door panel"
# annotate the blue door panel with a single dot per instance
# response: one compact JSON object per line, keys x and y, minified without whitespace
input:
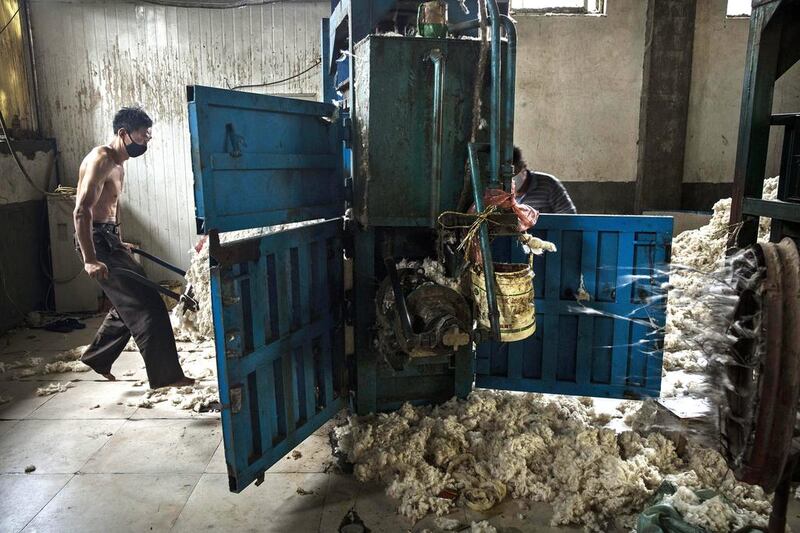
{"x":600,"y":309}
{"x":262,"y":160}
{"x":279,"y":340}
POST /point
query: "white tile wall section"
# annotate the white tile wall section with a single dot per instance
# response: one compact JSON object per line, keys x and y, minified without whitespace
{"x":94,"y":57}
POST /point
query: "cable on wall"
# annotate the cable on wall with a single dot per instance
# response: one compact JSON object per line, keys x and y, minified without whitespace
{"x":222,"y":4}
{"x":10,"y":20}
{"x":267,"y":84}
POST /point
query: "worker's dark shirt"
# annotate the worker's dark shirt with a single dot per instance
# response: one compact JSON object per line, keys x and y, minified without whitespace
{"x":546,"y":194}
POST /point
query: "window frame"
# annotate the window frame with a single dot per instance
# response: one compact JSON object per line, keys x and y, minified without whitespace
{"x":590,"y":7}
{"x":736,"y":15}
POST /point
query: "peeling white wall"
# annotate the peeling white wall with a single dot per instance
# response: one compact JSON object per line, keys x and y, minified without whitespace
{"x":95,"y":57}
{"x":579,"y":86}
{"x":40,"y":167}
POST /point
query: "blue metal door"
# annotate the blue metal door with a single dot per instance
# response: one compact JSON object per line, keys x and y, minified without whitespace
{"x":279,"y":335}
{"x":262,"y":160}
{"x":600,"y":310}
{"x":276,"y":297}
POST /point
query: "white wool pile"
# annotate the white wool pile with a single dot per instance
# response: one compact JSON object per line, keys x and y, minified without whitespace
{"x":53,"y":388}
{"x":732,"y":509}
{"x":713,"y":515}
{"x":26,"y":363}
{"x":64,"y":362}
{"x":526,"y":446}
{"x":73,"y":354}
{"x":482,"y":527}
{"x":190,"y":325}
{"x":447,"y":524}
{"x":696,"y":255}
{"x":197,"y":397}
{"x":196,"y":362}
{"x":432,"y":269}
{"x":536,"y":246}
{"x":62,"y":367}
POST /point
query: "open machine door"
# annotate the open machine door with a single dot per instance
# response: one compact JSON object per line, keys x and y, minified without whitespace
{"x":262,"y":160}
{"x":600,"y":309}
{"x":276,"y":296}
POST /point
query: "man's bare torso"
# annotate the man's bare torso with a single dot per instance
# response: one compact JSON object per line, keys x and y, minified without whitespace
{"x":107,"y":206}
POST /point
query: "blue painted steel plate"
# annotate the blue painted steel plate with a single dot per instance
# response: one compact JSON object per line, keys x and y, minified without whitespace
{"x":278,"y":324}
{"x":262,"y":160}
{"x":607,"y":345}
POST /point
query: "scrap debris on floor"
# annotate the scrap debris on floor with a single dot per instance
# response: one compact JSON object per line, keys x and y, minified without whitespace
{"x":65,"y":362}
{"x":476,"y":452}
{"x":198,"y":397}
{"x":53,"y":388}
{"x":539,"y":448}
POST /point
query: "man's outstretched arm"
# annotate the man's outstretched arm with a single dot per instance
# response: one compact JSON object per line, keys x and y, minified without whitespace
{"x":88,"y":193}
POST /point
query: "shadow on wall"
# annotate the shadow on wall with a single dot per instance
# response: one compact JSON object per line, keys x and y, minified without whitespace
{"x":617,"y":197}
{"x":24,"y":237}
{"x":602,"y":197}
{"x":23,"y":240}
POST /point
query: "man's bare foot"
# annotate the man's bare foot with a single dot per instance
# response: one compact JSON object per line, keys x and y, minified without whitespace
{"x":109,"y":376}
{"x":183,"y":382}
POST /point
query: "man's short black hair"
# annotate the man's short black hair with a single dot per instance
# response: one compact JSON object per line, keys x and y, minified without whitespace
{"x":131,"y":118}
{"x":519,"y":162}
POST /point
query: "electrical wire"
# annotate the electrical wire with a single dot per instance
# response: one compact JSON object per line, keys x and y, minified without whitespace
{"x":60,"y":190}
{"x":213,"y":5}
{"x":9,"y":20}
{"x":284,"y":80}
{"x":7,"y":293}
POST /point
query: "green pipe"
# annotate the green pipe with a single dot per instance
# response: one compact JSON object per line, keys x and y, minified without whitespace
{"x":437,"y":58}
{"x":510,"y":65}
{"x":486,"y":251}
{"x":495,"y":97}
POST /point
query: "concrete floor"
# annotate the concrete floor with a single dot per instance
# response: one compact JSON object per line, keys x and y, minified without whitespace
{"x":104,"y":466}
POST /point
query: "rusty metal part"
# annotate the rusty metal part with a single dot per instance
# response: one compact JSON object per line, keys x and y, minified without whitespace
{"x":437,"y":318}
{"x":743,"y":371}
{"x":233,"y":253}
{"x":780,"y":502}
{"x":778,"y":378}
{"x":784,"y":419}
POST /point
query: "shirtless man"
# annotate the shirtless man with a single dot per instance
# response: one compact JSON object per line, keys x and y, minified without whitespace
{"x":137,"y":309}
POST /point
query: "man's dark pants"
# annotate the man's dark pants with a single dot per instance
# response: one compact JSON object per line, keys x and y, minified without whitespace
{"x":137,"y":310}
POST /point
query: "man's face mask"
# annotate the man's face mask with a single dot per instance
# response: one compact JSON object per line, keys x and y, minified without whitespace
{"x":134,"y":149}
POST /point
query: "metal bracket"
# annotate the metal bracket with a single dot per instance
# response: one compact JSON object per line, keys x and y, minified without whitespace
{"x":236,"y":141}
{"x":247,"y":250}
{"x":347,"y":132}
{"x":236,"y":399}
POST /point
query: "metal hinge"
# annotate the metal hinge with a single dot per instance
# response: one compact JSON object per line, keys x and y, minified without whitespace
{"x":235,"y":395}
{"x":347,"y":132}
{"x":235,"y":141}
